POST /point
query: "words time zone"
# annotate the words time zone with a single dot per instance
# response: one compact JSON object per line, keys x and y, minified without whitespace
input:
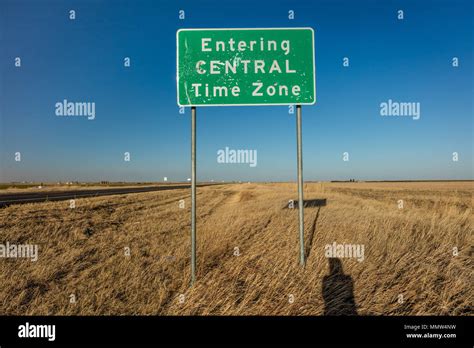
{"x":258,"y":90}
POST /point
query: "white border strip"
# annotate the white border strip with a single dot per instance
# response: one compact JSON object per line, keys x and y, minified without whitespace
{"x":227,"y":29}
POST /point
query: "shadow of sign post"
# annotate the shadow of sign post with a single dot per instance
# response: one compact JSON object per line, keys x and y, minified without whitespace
{"x":248,"y":66}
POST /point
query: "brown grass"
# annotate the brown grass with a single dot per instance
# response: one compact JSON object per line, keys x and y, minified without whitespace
{"x":408,"y":251}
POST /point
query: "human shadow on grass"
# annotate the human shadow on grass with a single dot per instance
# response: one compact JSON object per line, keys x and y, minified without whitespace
{"x":338,"y":291}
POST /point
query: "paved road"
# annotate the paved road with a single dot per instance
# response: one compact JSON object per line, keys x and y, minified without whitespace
{"x":34,"y":197}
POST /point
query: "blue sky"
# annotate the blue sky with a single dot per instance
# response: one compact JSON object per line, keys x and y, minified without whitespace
{"x":136,"y":111}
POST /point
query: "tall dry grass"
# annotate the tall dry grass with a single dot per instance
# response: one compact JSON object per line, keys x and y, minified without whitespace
{"x":408,"y":252}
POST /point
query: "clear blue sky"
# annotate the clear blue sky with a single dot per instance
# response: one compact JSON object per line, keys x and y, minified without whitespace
{"x":136,"y":111}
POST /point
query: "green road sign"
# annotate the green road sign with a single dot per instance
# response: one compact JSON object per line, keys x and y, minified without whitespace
{"x":270,"y":66}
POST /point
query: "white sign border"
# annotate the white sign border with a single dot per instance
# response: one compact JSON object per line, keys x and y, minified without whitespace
{"x":266,"y":104}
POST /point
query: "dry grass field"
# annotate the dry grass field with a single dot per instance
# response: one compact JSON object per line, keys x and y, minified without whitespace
{"x":410,"y":266}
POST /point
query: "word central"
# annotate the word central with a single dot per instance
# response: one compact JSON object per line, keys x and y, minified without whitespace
{"x":257,"y":67}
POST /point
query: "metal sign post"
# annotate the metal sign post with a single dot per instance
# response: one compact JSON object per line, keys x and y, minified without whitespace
{"x":245,"y":66}
{"x":300,"y":181}
{"x":193,"y":194}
